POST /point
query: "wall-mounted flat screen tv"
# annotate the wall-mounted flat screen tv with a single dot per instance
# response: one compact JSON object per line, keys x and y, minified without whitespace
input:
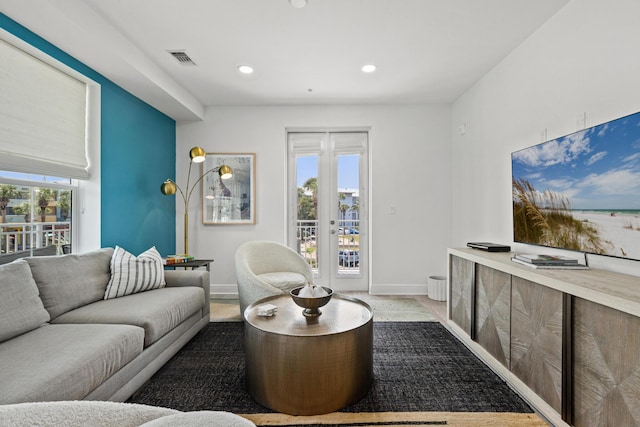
{"x":581,"y":192}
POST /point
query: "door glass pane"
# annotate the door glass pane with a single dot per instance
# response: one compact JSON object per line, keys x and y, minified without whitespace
{"x":348,"y":214}
{"x":307,"y":208}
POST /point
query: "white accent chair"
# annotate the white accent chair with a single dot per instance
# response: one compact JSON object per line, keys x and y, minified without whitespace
{"x":265,"y":268}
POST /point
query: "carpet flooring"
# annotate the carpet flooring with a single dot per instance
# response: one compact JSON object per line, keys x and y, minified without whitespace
{"x":418,"y":367}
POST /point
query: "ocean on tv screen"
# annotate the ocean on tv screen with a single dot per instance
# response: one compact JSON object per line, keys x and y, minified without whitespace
{"x":581,"y":191}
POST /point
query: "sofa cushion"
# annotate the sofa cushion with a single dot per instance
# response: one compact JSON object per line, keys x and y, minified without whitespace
{"x":157,"y":311}
{"x":69,"y":281}
{"x":284,"y":280}
{"x":21,"y":308}
{"x":64,"y":362}
{"x":131,"y":274}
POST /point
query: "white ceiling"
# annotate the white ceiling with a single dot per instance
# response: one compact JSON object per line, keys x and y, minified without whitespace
{"x":426,"y":51}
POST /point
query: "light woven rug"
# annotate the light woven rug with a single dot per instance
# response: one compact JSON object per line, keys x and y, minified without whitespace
{"x":385,"y":309}
{"x":413,"y":419}
{"x":398,"y":310}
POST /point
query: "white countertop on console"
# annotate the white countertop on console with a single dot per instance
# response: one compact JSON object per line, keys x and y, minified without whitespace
{"x":615,"y":290}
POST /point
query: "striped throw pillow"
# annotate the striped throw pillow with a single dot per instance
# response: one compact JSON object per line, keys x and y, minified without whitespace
{"x":131,"y":274}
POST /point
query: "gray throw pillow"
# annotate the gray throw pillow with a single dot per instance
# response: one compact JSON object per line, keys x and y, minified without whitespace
{"x":71,"y":281}
{"x":21,"y":309}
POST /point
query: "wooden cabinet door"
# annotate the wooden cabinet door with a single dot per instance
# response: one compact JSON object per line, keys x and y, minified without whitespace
{"x":606,"y":381}
{"x":461,"y":288}
{"x":536,"y":339}
{"x":493,"y":312}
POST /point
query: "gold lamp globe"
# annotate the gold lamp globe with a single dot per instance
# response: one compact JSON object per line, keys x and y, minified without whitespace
{"x":197,"y":155}
{"x":168,"y":188}
{"x":225,"y":172}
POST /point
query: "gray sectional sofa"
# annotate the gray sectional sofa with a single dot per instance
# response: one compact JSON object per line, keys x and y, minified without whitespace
{"x":61,"y":340}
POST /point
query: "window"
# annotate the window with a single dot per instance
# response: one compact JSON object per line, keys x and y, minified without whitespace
{"x":49,"y":126}
{"x":36,"y":215}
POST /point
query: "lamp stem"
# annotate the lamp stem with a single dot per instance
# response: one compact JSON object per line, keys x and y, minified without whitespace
{"x":186,"y":211}
{"x":186,"y":231}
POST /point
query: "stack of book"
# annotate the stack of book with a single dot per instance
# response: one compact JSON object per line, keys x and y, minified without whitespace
{"x":548,"y":261}
{"x":177,"y":259}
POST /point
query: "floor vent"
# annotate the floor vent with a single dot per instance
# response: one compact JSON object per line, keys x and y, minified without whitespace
{"x":182,"y":57}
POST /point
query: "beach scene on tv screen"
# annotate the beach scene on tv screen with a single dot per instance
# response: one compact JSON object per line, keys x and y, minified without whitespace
{"x":581,"y":191}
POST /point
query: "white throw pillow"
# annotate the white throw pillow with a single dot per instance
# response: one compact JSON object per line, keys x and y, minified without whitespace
{"x":130,"y":274}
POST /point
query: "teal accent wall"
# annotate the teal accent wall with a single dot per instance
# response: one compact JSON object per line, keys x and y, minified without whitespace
{"x":138,"y":146}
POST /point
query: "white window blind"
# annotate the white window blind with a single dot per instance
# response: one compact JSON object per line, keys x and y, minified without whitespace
{"x":43,"y":115}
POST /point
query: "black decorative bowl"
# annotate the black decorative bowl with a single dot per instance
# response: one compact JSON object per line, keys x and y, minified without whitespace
{"x":311,"y":305}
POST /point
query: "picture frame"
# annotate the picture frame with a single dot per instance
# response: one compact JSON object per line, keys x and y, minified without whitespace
{"x":233,"y":200}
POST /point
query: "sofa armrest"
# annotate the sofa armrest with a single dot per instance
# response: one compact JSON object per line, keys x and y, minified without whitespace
{"x":198,"y":278}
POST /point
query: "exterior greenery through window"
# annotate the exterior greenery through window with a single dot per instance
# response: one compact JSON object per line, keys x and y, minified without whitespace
{"x":35,"y":216}
{"x":308,"y":200}
{"x":348,"y":205}
{"x":348,"y":222}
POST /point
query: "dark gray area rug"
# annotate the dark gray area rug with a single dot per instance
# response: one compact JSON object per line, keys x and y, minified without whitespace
{"x":418,"y":366}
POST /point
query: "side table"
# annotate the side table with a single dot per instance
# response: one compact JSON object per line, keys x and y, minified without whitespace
{"x":301,"y":365}
{"x":192,"y":264}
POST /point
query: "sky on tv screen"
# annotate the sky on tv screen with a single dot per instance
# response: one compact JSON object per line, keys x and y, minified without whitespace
{"x":594,"y":169}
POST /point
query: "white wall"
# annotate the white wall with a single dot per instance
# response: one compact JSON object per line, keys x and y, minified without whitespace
{"x":583,"y":60}
{"x":414,"y":141}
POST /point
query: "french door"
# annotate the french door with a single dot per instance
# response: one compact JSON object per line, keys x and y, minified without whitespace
{"x":328,"y":206}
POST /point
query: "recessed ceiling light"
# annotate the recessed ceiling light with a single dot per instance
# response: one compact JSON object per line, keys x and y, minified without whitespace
{"x":245,"y":69}
{"x":369,"y":68}
{"x":298,"y":4}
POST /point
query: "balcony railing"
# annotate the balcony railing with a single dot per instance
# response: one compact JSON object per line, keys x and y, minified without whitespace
{"x":348,"y":232}
{"x":22,"y":238}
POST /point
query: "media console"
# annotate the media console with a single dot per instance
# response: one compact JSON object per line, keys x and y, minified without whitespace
{"x":567,"y":340}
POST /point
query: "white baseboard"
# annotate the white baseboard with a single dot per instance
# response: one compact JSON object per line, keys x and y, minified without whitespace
{"x":222,"y":290}
{"x":218,"y":290}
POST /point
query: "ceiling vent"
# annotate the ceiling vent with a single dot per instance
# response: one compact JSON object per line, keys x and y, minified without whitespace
{"x":182,"y":57}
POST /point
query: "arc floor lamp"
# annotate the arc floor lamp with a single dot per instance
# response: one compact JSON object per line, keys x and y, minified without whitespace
{"x":169,"y":186}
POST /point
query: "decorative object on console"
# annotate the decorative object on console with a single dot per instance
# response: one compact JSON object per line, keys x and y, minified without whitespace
{"x":232,"y":202}
{"x":543,"y":259}
{"x":489,"y":247}
{"x":549,"y":262}
{"x":169,"y":187}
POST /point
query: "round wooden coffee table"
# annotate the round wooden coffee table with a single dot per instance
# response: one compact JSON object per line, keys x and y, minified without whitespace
{"x":309,"y":365}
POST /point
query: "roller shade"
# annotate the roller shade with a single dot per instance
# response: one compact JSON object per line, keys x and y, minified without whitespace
{"x":42,"y":117}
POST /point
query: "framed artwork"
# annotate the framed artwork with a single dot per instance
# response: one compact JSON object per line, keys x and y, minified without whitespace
{"x":233,"y":200}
